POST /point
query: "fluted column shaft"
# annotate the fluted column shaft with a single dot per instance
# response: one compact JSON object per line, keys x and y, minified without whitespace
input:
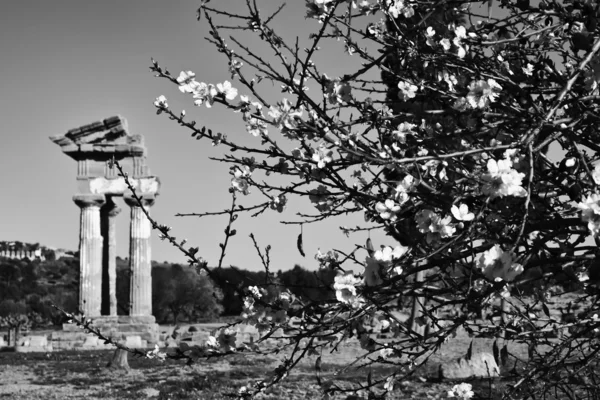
{"x":111,"y":210}
{"x":90,"y":254}
{"x":140,"y":257}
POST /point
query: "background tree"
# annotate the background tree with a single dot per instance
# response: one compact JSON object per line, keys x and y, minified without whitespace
{"x":179,"y":291}
{"x":14,"y":316}
{"x":308,"y":285}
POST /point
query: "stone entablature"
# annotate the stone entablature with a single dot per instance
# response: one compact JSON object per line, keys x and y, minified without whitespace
{"x":95,"y":147}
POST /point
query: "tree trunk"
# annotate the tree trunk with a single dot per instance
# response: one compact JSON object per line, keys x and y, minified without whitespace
{"x":505,"y":307}
{"x":417,"y":314}
{"x":12,"y":333}
{"x":119,"y":361}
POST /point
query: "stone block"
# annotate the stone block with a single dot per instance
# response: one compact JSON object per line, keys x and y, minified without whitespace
{"x":93,"y":127}
{"x":117,"y":120}
{"x":149,"y":392}
{"x":91,"y":341}
{"x":38,"y":341}
{"x":106,"y":319}
{"x":105,"y":147}
{"x":137,"y":319}
{"x":91,"y":137}
{"x":137,"y":151}
{"x":115,"y":134}
{"x":481,"y":365}
{"x":61,"y":140}
{"x":71,"y":133}
{"x":134,"y":342}
{"x":3,"y":342}
{"x":33,"y":344}
{"x":70,"y":148}
{"x":122,"y":148}
{"x":69,"y":336}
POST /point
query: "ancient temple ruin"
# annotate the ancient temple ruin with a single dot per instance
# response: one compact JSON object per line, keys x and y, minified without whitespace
{"x":94,"y":146}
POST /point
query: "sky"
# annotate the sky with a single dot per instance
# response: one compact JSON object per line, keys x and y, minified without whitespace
{"x":66,"y":63}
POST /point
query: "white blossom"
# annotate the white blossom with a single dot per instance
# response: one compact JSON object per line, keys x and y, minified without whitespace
{"x":502,"y":180}
{"x":497,"y":264}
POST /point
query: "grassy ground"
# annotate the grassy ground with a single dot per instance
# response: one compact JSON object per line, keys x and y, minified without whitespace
{"x":82,"y":375}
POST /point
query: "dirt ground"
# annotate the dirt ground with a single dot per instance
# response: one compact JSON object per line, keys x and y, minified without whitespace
{"x":83,"y":375}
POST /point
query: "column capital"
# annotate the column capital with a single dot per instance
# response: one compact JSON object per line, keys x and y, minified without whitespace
{"x":112,"y":209}
{"x":147,"y":200}
{"x":89,"y":200}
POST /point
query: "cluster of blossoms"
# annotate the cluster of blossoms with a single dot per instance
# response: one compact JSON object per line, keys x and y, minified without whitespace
{"x":318,"y":8}
{"x":254,"y":122}
{"x":278,"y":203}
{"x":265,"y":317}
{"x":590,"y":212}
{"x":404,"y":129}
{"x":239,"y":182}
{"x":503,"y":180}
{"x":321,"y":198}
{"x":337,"y":91}
{"x":596,"y":174}
{"x":399,"y":7}
{"x":460,"y":33}
{"x":322,"y":156}
{"x":462,"y":213}
{"x":389,"y":208}
{"x":156,"y":353}
{"x":223,"y":340}
{"x":345,"y":289}
{"x":403,"y":188}
{"x":481,"y":94}
{"x":432,"y":224}
{"x":286,"y":118}
{"x":329,"y":259}
{"x":499,"y":265}
{"x":204,"y":93}
{"x":161,"y":103}
{"x":463,"y":391}
{"x":382,"y":264}
{"x":407,"y":91}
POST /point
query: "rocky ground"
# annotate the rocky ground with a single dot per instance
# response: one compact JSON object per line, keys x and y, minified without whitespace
{"x":83,"y":375}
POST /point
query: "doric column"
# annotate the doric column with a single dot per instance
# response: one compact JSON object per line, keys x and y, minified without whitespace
{"x":140,"y":257}
{"x":109,"y":262}
{"x":90,"y":253}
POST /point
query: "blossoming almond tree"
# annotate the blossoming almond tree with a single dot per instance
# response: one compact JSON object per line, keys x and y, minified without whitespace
{"x":468,"y":135}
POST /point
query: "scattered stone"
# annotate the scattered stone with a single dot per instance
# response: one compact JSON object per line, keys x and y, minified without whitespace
{"x":38,"y":341}
{"x":481,"y":365}
{"x":134,"y":342}
{"x":33,"y":344}
{"x":90,"y":341}
{"x":149,"y":392}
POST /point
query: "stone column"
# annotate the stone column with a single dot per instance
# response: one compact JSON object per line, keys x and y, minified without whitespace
{"x":109,"y":217}
{"x":140,"y":257}
{"x":90,"y":253}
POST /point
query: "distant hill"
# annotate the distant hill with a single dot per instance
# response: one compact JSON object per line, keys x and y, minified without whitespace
{"x":38,"y":276}
{"x":19,"y":250}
